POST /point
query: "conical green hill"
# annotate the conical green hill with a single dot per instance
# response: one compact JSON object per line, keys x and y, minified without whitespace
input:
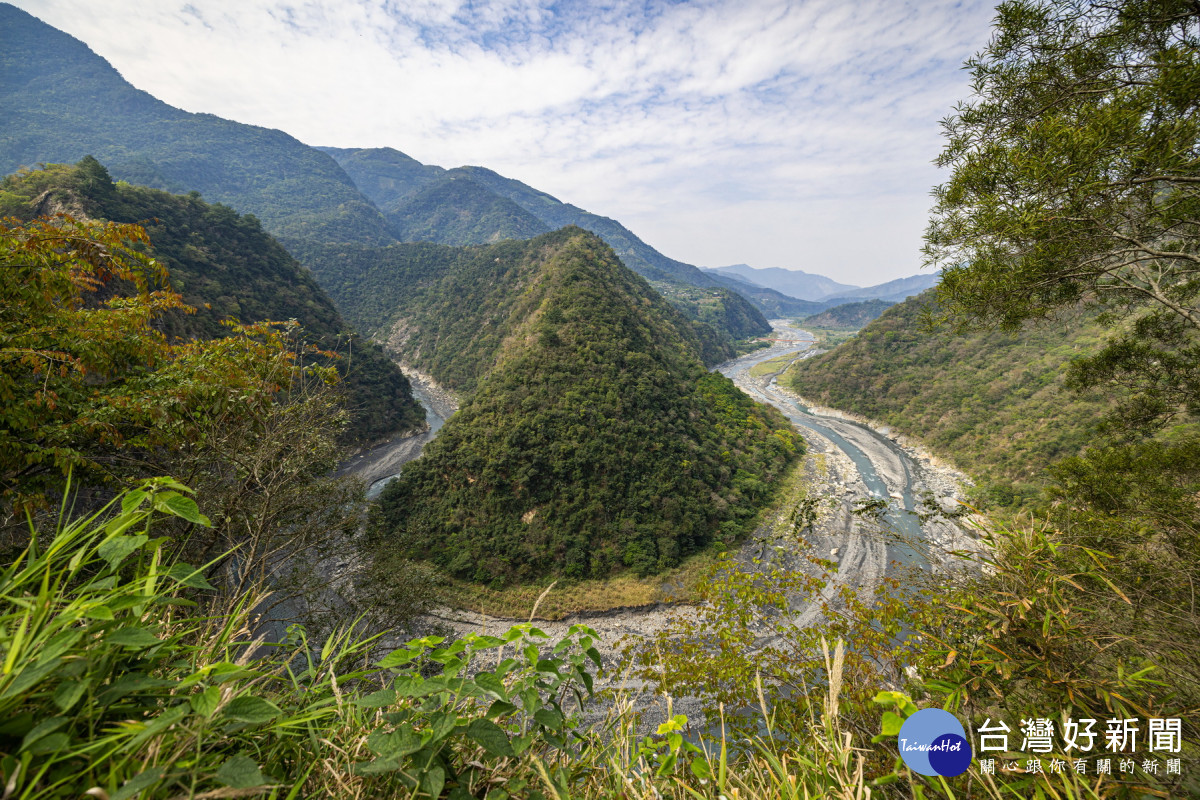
{"x":594,"y":440}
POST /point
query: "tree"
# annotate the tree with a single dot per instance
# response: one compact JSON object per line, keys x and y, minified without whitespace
{"x":1076,"y":181}
{"x":1076,"y":168}
{"x":63,"y":361}
{"x":1075,"y":178}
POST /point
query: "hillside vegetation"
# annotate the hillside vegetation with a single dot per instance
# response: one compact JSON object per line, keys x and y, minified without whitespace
{"x":63,"y":102}
{"x":388,"y":291}
{"x":593,"y":439}
{"x":226,"y":267}
{"x":848,"y":316}
{"x":456,"y":210}
{"x":993,"y":402}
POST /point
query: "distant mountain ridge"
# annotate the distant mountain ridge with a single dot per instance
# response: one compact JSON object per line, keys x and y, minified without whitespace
{"x":794,"y":283}
{"x":818,"y":291}
{"x":893,"y":291}
{"x":62,"y":102}
{"x":475,"y":205}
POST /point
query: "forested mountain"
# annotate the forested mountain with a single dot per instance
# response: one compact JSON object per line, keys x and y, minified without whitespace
{"x":388,"y":177}
{"x":456,"y":210}
{"x":62,"y":102}
{"x":475,"y":212}
{"x":375,"y":286}
{"x":593,"y":438}
{"x":993,"y":402}
{"x":226,"y":267}
{"x":848,"y":316}
{"x":383,"y":174}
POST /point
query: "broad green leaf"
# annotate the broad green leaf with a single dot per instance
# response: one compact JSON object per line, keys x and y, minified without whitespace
{"x":206,"y":702}
{"x":549,"y":718}
{"x":240,"y":772}
{"x":189,"y":576}
{"x":254,"y":710}
{"x":891,"y":723}
{"x":133,"y":638}
{"x":491,"y":737}
{"x":401,"y":742}
{"x":594,"y":655}
{"x":488,"y":682}
{"x":68,"y":694}
{"x":132,"y":500}
{"x":380,"y":766}
{"x":43,"y":729}
{"x":380,"y":699}
{"x":118,"y":548}
{"x":182,"y":507}
{"x":99,"y":612}
{"x":433,"y":780}
{"x":501,"y":709}
{"x":398,"y":658}
{"x":442,"y":724}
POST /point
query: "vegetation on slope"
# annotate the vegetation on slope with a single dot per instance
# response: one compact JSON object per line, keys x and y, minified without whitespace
{"x":386,"y":176}
{"x":457,"y":210}
{"x":226,"y":267}
{"x":63,"y":102}
{"x":848,"y":316}
{"x":490,"y":207}
{"x":403,"y":289}
{"x":593,"y":439}
{"x":994,"y":403}
{"x":721,"y":314}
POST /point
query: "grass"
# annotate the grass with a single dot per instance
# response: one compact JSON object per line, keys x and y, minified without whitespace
{"x":115,"y":685}
{"x":829,"y":338}
{"x":572,"y":597}
{"x":772,"y":366}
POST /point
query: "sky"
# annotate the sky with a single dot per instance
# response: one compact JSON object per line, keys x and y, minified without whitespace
{"x":777,"y":133}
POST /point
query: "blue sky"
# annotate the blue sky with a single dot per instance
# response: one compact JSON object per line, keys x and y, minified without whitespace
{"x":795,"y":134}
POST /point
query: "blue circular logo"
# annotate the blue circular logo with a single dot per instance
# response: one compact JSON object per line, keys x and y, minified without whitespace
{"x":933,"y":742}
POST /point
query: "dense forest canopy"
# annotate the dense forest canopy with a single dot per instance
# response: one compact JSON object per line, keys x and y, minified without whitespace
{"x":226,"y":267}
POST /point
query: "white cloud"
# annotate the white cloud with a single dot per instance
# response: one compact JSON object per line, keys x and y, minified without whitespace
{"x":719,"y":131}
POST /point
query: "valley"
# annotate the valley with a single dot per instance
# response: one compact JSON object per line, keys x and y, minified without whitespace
{"x":848,"y":465}
{"x":330,"y":472}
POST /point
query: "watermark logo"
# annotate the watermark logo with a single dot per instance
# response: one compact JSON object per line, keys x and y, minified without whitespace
{"x":933,"y":742}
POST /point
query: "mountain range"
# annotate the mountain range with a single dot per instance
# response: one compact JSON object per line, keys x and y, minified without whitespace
{"x":591,"y":438}
{"x":64,"y":102}
{"x":818,"y":288}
